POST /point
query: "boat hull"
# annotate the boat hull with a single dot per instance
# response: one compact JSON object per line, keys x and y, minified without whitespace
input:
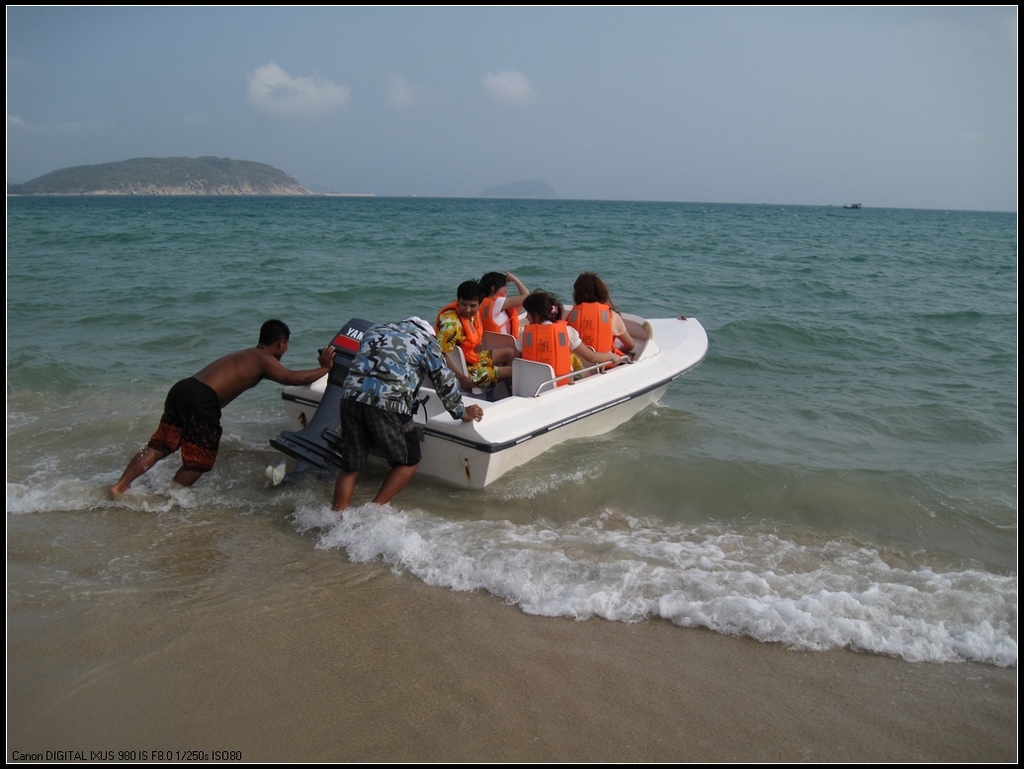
{"x":475,"y":467}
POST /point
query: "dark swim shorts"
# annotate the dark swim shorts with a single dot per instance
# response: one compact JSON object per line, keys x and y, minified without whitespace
{"x":364,"y":427}
{"x":191,"y":420}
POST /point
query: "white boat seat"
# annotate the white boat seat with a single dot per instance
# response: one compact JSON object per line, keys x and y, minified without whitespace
{"x":641,"y":331}
{"x":529,"y":376}
{"x":457,"y":361}
{"x":492,"y":340}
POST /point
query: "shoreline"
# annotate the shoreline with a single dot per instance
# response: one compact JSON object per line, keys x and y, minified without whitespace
{"x":367,"y":665}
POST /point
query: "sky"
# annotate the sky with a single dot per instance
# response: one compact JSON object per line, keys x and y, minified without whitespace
{"x":902,"y":107}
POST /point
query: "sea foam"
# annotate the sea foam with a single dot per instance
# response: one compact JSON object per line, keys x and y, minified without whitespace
{"x":811,"y":595}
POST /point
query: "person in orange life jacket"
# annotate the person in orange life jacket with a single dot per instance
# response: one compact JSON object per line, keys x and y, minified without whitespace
{"x":549,"y":339}
{"x":459,"y":324}
{"x":499,"y":312}
{"x":595,"y":317}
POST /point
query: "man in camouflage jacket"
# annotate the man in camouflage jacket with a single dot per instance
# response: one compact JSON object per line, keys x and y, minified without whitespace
{"x":378,"y":400}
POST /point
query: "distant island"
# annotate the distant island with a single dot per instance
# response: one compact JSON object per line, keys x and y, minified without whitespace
{"x":527,"y":188}
{"x":164,"y":176}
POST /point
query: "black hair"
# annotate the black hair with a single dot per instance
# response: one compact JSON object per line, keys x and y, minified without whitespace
{"x":543,"y":305}
{"x":590,"y":288}
{"x":492,"y":281}
{"x":273,"y":331}
{"x":469,"y":290}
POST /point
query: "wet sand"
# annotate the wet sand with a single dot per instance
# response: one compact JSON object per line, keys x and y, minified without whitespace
{"x":367,"y":665}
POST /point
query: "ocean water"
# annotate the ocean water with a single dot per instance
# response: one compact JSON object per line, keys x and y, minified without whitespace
{"x":840,"y":472}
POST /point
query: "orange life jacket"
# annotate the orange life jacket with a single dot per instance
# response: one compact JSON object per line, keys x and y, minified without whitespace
{"x":486,"y":316}
{"x":594,"y":323}
{"x":472,"y":333}
{"x":549,"y":343}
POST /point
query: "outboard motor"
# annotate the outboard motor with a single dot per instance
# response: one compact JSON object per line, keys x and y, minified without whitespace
{"x":318,"y":443}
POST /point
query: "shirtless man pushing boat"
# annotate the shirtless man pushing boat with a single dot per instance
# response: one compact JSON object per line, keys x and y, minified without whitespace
{"x":191,"y":418}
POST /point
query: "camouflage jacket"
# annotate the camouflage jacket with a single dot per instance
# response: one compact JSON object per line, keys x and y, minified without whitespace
{"x":392,"y":361}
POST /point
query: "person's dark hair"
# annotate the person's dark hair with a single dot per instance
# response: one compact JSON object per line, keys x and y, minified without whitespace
{"x":590,"y":288}
{"x":273,"y":331}
{"x":492,"y":281}
{"x":543,"y":305}
{"x":470,"y":291}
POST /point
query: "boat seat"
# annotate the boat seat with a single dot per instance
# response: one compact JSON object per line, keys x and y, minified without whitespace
{"x":528,"y":376}
{"x":492,"y":340}
{"x":457,"y":361}
{"x":641,"y":331}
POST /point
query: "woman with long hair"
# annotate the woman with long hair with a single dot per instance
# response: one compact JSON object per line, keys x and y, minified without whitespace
{"x":595,"y":318}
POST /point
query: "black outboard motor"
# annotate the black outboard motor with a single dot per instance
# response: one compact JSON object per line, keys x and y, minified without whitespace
{"x":317,"y":445}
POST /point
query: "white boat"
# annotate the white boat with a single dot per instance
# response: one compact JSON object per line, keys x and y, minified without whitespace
{"x":519,"y":423}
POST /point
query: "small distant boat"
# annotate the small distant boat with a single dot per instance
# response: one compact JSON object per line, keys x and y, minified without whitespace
{"x":851,"y":205}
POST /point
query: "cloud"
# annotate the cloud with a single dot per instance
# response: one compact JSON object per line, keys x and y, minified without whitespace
{"x":508,"y":87}
{"x":1008,"y":28}
{"x":194,"y":119}
{"x":15,"y":123}
{"x":973,"y":138}
{"x":401,"y":93}
{"x":271,"y":89}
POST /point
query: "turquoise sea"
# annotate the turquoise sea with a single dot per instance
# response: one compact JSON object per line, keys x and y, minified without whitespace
{"x":840,"y":472}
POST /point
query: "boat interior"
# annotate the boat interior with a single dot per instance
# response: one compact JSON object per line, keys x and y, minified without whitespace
{"x":531,"y":379}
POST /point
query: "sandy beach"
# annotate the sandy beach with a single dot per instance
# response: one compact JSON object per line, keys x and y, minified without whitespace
{"x":369,"y":665}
